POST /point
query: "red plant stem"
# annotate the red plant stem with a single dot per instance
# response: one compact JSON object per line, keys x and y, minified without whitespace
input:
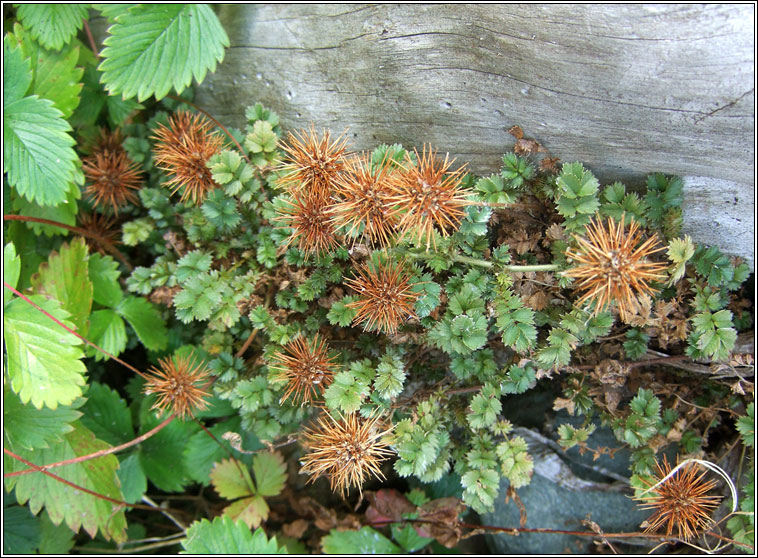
{"x":95,"y":455}
{"x":216,"y":122}
{"x":91,"y":39}
{"x":57,"y":321}
{"x":76,"y":486}
{"x":97,"y":238}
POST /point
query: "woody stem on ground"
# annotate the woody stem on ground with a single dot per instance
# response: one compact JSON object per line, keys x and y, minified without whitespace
{"x":459,"y":258}
{"x":107,"y":245}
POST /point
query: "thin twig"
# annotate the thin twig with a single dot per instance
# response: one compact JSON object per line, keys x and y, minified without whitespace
{"x":107,"y":245}
{"x":57,"y":321}
{"x":95,"y":455}
{"x":182,"y":526}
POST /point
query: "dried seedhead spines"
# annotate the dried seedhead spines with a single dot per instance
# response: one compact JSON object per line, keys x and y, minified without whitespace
{"x":182,"y":150}
{"x":101,"y":226}
{"x":348,"y":450}
{"x":681,"y":502}
{"x":312,"y":163}
{"x":385,"y":296}
{"x":112,"y":177}
{"x":362,"y":200}
{"x":612,"y":265}
{"x":428,"y":195}
{"x":308,"y":216}
{"x":307,"y":368}
{"x":180,"y":386}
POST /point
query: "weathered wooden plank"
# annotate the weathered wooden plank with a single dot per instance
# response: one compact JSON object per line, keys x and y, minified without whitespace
{"x":626,"y":89}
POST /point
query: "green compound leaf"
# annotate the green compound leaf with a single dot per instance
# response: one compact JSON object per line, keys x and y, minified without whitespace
{"x":144,"y":317}
{"x":53,"y":25}
{"x":37,"y":150}
{"x":132,"y":478}
{"x":154,"y":47}
{"x":62,"y":213}
{"x":364,"y":541}
{"x":27,"y":428}
{"x":226,"y":536}
{"x":270,"y":473}
{"x":745,"y":426}
{"x":65,"y":277}
{"x":44,"y":361}
{"x":55,"y":75}
{"x":64,"y":502}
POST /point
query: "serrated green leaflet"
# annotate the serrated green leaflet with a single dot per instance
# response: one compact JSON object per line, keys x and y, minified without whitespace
{"x":161,"y":454}
{"x":132,"y":478}
{"x":107,"y":415}
{"x":65,"y":277}
{"x":104,"y":274}
{"x":55,"y":75}
{"x":64,"y":502}
{"x":231,"y":480}
{"x":226,"y":536}
{"x":21,"y":530}
{"x":17,"y":72}
{"x":154,"y":47}
{"x":107,"y":331}
{"x":364,"y":541}
{"x":37,"y":150}
{"x":27,"y":428}
{"x":11,"y":270}
{"x":44,"y":363}
{"x":270,"y":473}
{"x":53,"y":25}
{"x":144,"y":317}
{"x":252,"y":510}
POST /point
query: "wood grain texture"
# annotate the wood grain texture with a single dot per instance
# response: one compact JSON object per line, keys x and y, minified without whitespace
{"x":627,"y":89}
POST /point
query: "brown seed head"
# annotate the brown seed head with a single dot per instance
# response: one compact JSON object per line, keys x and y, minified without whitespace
{"x":312,"y":163}
{"x":306,"y":367}
{"x":363,"y":200}
{"x":112,"y":178}
{"x":680,"y":502}
{"x":428,"y":194}
{"x":100,"y":225}
{"x":308,"y":216}
{"x":180,"y":386}
{"x":348,"y":450}
{"x":385,"y":299}
{"x":183,"y":149}
{"x":611,"y":266}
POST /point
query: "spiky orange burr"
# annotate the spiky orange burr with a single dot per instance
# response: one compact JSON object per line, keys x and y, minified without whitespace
{"x":311,"y":163}
{"x":112,"y":179}
{"x":308,"y":216}
{"x":348,"y":450}
{"x":362,"y":195}
{"x":385,"y":299}
{"x":307,"y":368}
{"x":611,"y":265}
{"x":681,"y":502}
{"x":182,"y":150}
{"x":428,"y":195}
{"x":100,"y":226}
{"x":180,"y":386}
